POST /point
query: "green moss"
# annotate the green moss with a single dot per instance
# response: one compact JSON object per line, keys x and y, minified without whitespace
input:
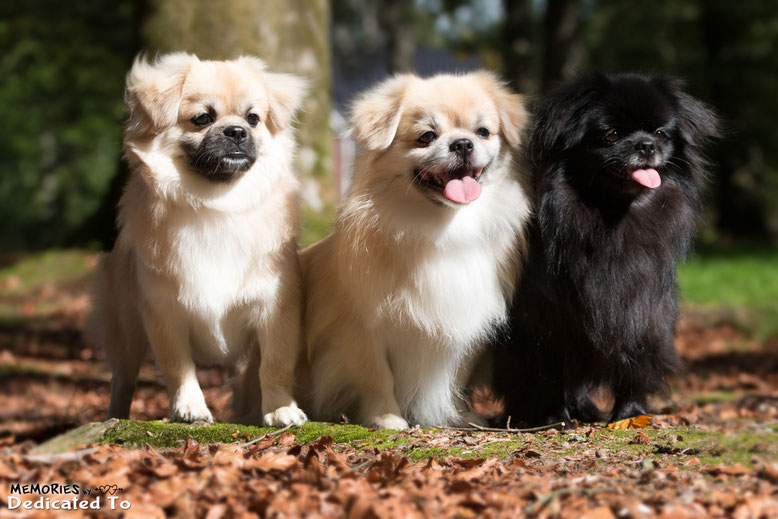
{"x":135,"y":434}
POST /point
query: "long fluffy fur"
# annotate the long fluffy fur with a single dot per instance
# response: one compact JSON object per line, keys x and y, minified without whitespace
{"x":204,"y":272}
{"x":597,"y":305}
{"x":404,"y":293}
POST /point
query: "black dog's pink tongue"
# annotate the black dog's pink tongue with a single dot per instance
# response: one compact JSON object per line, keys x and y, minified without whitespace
{"x":647,"y":177}
{"x":462,"y":191}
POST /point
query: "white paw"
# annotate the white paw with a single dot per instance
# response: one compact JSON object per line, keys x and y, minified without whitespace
{"x":190,"y":410}
{"x":388,"y":421}
{"x":283,"y":416}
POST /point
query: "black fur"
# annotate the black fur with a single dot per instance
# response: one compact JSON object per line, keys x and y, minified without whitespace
{"x":597,"y":301}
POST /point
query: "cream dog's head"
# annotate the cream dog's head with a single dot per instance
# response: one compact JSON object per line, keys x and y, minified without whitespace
{"x":200,"y":127}
{"x":441,"y":138}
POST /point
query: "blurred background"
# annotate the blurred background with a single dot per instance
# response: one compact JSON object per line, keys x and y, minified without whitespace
{"x":62,"y":67}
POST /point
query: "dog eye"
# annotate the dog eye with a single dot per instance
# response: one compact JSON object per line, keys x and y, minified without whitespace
{"x":427,"y":137}
{"x":252,"y":119}
{"x":612,"y":136}
{"x":204,"y":119}
{"x":483,"y":133}
{"x":661,"y":133}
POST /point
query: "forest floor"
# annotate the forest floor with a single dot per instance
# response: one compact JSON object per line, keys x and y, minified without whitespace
{"x":711,"y":450}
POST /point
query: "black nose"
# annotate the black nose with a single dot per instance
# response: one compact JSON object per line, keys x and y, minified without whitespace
{"x":236,"y":133}
{"x":462,"y":146}
{"x":645,"y":147}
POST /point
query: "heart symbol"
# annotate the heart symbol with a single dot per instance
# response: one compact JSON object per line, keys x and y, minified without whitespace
{"x":104,"y":489}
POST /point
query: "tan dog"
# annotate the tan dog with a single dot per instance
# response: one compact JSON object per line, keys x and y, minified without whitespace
{"x":205,"y":269}
{"x":424,"y":255}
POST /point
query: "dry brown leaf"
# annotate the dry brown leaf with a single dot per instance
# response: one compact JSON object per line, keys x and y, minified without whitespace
{"x":286,"y":439}
{"x":636,"y":422}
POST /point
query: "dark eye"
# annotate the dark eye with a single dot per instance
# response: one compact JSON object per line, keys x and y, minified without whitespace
{"x":427,"y":137}
{"x":202,"y":120}
{"x":483,"y":133}
{"x":612,"y":136}
{"x":661,"y":133}
{"x":252,"y":119}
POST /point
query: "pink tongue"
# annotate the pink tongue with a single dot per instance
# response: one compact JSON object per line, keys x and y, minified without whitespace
{"x":462,"y":191}
{"x":647,"y":177}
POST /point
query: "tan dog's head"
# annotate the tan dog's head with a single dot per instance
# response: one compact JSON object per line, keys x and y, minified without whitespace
{"x":213,"y":120}
{"x":447,"y":135}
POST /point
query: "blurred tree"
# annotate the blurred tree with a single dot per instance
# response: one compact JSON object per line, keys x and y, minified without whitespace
{"x":562,"y":44}
{"x":63,"y":66}
{"x":519,"y":48}
{"x":396,"y":17}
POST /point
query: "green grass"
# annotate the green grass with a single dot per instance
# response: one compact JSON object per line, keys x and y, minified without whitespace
{"x":59,"y":267}
{"x":745,"y":282}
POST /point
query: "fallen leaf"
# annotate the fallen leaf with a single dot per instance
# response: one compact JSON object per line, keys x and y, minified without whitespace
{"x":636,"y":422}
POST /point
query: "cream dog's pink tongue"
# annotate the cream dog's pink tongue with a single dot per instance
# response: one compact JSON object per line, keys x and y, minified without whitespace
{"x":647,"y":177}
{"x":462,"y":191}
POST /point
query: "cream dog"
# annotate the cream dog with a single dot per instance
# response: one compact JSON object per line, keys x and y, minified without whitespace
{"x":420,"y":267}
{"x":205,"y":269}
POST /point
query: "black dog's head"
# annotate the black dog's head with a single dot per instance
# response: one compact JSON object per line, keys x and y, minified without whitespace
{"x":623,"y":133}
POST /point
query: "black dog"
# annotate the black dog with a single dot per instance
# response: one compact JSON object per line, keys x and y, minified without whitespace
{"x":618,"y":166}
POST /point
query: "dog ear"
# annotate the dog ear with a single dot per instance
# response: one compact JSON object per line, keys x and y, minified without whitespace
{"x":562,"y":119}
{"x":153,"y":90}
{"x":285,"y":93}
{"x":285,"y":97}
{"x":510,"y":107}
{"x":376,"y":115}
{"x":698,"y":123}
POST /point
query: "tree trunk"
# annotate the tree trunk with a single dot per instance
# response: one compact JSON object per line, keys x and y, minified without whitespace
{"x":561,"y":41}
{"x":518,"y":45}
{"x":741,"y":208}
{"x":396,"y":18}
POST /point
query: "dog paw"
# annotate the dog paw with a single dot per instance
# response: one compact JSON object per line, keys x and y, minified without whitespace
{"x":283,"y":416}
{"x":189,"y":412}
{"x":388,"y":421}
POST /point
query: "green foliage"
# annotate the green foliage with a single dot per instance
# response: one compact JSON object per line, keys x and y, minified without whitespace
{"x":63,"y":66}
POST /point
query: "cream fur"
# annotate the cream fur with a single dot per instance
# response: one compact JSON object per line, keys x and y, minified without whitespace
{"x":204,"y":272}
{"x":403,"y":294}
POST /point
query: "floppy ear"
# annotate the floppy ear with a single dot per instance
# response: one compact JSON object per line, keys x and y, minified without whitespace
{"x":153,"y":90}
{"x":285,"y":93}
{"x":376,"y":115}
{"x":562,"y":119}
{"x":510,"y":107}
{"x":285,"y":97}
{"x":698,"y":123}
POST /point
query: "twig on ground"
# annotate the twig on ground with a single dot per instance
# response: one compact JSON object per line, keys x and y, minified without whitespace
{"x":476,"y":427}
{"x":272,"y":435}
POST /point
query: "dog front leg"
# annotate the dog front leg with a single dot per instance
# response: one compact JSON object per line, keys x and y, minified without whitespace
{"x":475,"y":368}
{"x":378,"y":404}
{"x":280,"y":341}
{"x":174,"y":357}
